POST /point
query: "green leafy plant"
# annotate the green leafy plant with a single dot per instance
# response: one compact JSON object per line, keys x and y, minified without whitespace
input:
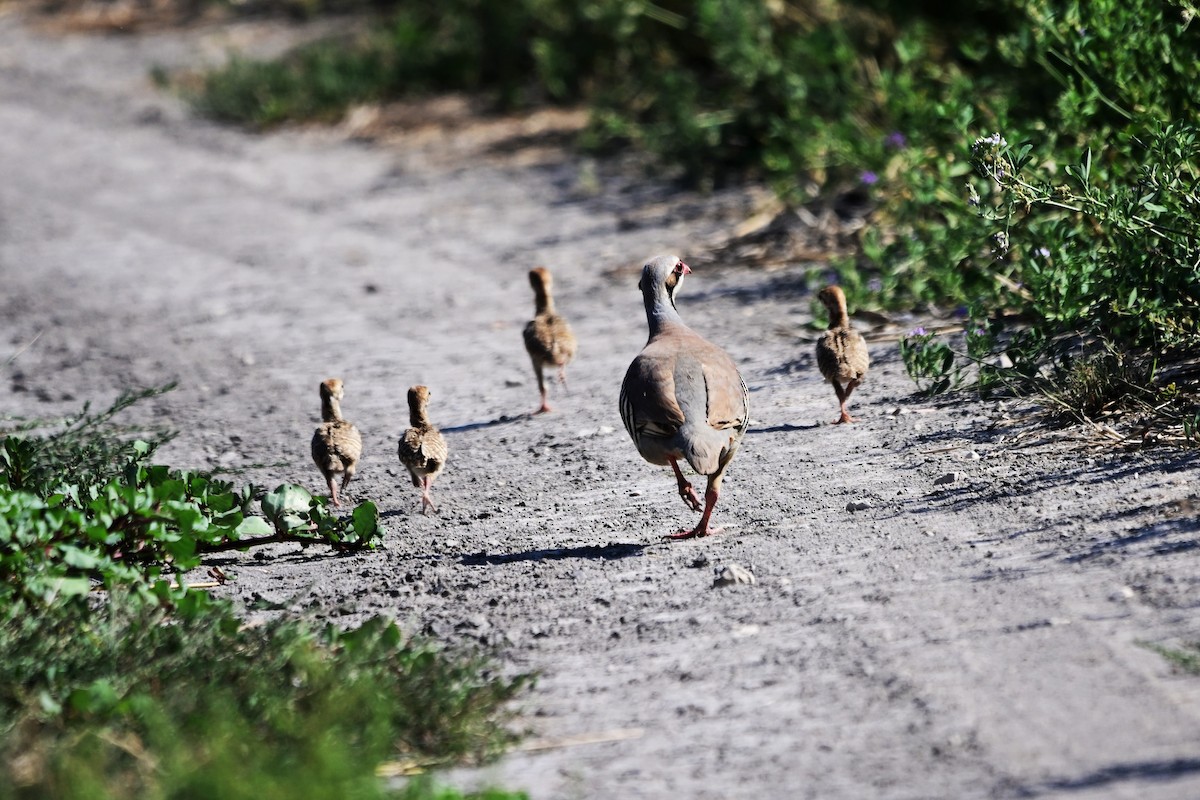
{"x":930,"y":362}
{"x":130,"y":703}
{"x":83,"y":508}
{"x":1104,"y":277}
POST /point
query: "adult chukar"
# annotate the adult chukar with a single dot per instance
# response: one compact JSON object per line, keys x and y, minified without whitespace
{"x":682,"y":396}
{"x":841,"y":353}
{"x":422,"y":448}
{"x":336,"y":444}
{"x":548,"y":337}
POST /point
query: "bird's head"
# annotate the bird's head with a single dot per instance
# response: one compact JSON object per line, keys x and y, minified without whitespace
{"x":832,"y":297}
{"x":418,"y":396}
{"x":663,"y":271}
{"x":539,"y":278}
{"x":332,"y":388}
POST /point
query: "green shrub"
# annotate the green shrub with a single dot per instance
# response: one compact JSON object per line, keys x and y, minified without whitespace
{"x":127,"y":702}
{"x":1101,"y":261}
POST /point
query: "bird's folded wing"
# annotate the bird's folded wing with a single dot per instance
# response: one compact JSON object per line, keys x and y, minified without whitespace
{"x":648,"y":403}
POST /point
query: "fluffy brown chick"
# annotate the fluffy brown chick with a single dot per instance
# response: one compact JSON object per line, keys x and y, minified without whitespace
{"x":422,"y":448}
{"x":336,"y":444}
{"x":548,"y":337}
{"x":841,"y":352}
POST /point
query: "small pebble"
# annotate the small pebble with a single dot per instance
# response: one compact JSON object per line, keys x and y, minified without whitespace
{"x":731,"y":574}
{"x":948,"y":478}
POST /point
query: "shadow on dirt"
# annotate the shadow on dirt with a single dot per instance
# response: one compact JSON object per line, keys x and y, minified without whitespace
{"x":607,"y":552}
{"x":785,"y":428}
{"x":1151,"y":772}
{"x":1155,"y":528}
{"x":1159,"y":531}
{"x":491,"y":423}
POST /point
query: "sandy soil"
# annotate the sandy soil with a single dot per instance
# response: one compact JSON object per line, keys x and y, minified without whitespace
{"x":977,"y":638}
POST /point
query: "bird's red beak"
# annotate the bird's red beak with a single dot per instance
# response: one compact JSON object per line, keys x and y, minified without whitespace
{"x":684,"y":269}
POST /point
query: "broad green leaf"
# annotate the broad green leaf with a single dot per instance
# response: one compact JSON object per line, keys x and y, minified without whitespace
{"x":253,"y":526}
{"x":67,"y":587}
{"x":81,"y":559}
{"x":366,"y":520}
{"x":286,"y":499}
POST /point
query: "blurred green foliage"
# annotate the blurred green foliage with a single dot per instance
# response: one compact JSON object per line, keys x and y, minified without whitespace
{"x":131,"y":702}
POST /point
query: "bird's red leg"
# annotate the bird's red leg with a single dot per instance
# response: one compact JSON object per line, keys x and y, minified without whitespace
{"x":333,"y":492}
{"x":686,"y":490}
{"x":562,"y":378}
{"x":710,"y":501}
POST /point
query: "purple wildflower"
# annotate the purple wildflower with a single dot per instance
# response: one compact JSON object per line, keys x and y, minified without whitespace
{"x":869,"y":178}
{"x":895,"y":140}
{"x":918,"y":331}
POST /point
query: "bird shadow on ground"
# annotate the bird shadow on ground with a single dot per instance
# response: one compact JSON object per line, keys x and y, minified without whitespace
{"x":786,"y":427}
{"x":504,"y":419}
{"x":1148,"y":772}
{"x":606,"y":552}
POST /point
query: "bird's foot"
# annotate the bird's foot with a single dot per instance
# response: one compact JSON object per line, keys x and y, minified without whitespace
{"x":844,"y":418}
{"x":688,"y":493}
{"x":694,"y":533}
{"x":544,"y":409}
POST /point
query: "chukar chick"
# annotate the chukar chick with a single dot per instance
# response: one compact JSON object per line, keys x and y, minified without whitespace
{"x":548,"y":337}
{"x":336,"y":444}
{"x":842,"y":352}
{"x":422,"y":448}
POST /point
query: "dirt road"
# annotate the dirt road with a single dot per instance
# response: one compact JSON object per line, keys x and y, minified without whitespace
{"x":972,"y":636}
